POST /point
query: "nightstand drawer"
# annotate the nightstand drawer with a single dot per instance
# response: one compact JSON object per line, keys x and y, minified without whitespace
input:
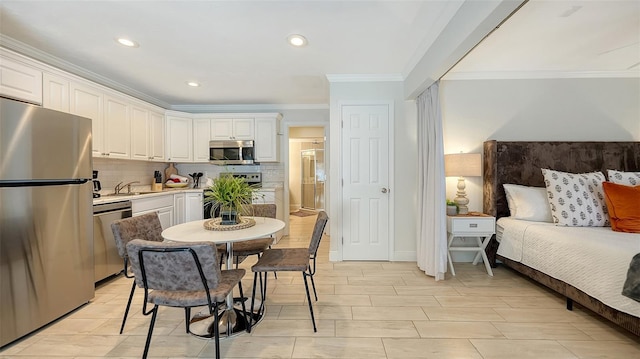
{"x":471,"y":224}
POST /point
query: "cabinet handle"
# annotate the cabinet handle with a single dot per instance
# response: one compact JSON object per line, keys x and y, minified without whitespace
{"x":473,"y":225}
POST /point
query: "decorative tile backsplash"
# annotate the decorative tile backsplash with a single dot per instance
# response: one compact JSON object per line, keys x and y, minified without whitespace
{"x":112,"y":171}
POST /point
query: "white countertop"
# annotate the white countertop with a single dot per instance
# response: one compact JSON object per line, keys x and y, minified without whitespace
{"x":164,"y":192}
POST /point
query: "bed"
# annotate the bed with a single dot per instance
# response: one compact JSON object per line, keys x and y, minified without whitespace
{"x":556,"y":256}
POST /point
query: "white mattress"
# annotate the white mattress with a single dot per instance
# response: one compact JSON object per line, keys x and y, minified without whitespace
{"x":592,"y":259}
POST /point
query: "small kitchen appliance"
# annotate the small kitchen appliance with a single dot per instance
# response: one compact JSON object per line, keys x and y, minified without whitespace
{"x":96,"y":185}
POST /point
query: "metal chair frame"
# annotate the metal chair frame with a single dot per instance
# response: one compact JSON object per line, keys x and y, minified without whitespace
{"x":212,"y":305}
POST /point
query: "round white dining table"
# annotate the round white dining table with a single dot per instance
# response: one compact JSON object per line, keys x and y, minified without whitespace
{"x":195,"y":232}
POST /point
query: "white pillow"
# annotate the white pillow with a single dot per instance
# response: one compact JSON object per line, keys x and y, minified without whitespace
{"x":528,"y":203}
{"x":576,"y":199}
{"x":625,"y":178}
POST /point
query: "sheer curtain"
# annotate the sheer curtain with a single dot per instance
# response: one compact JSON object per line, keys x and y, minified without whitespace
{"x":432,"y":230}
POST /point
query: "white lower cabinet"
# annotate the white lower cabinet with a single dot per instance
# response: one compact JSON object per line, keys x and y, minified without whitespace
{"x":163,"y":205}
{"x":193,"y":206}
{"x":188,"y":207}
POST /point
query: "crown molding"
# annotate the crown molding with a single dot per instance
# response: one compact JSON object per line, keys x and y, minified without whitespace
{"x":39,"y":55}
{"x":364,"y":77}
{"x":534,"y":75}
{"x":247,"y":107}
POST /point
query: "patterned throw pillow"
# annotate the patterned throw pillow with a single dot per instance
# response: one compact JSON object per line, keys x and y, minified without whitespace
{"x":576,"y":199}
{"x":625,"y":178}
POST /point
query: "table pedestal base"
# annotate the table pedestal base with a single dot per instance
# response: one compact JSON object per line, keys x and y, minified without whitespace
{"x":230,"y":322}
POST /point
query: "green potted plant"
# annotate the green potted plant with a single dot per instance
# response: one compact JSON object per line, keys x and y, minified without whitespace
{"x":452,"y":208}
{"x":228,"y":194}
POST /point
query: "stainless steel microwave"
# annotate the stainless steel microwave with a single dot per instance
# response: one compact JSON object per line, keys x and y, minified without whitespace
{"x":231,"y":152}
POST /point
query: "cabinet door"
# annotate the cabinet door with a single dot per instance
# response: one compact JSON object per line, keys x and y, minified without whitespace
{"x":140,"y":133}
{"x":267,"y":145}
{"x":86,"y":101}
{"x":179,"y":139}
{"x":20,"y":82}
{"x":55,"y":92}
{"x":117,"y":128}
{"x":179,"y":208}
{"x":201,"y":134}
{"x":243,"y":129}
{"x":222,"y":129}
{"x":194,"y":207}
{"x":156,"y":132}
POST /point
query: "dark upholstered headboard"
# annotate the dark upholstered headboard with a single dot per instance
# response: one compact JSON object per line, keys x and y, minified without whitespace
{"x":520,"y":163}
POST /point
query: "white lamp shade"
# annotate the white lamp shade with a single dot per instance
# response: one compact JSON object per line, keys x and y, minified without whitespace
{"x":463,"y":165}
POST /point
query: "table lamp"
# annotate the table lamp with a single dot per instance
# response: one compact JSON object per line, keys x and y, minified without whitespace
{"x":462,"y":165}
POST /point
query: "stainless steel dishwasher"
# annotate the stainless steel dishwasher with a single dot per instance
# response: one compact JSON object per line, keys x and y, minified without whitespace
{"x":105,"y":253}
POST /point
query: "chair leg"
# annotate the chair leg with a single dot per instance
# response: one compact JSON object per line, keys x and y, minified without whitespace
{"x":187,"y":318}
{"x":306,"y":287}
{"x":126,"y":311}
{"x":244,"y":307}
{"x":313,"y":284}
{"x":216,"y":330}
{"x":253,"y":300}
{"x":153,"y":322}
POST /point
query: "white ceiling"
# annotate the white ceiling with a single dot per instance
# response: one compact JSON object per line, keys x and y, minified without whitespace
{"x":237,"y":50}
{"x":560,"y":39}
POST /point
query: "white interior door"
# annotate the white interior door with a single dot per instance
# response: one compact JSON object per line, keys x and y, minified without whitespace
{"x":365,"y":171}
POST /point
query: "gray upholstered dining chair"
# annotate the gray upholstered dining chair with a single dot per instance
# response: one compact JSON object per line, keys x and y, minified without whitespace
{"x":292,"y":260}
{"x":244,"y":249}
{"x":147,"y":227}
{"x":183,"y":275}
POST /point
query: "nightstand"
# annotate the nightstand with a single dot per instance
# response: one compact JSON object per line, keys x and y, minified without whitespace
{"x":478,"y":225}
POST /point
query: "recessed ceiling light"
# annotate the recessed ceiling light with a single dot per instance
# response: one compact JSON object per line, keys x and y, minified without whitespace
{"x":193,"y":83}
{"x":297,"y":40}
{"x":127,"y":42}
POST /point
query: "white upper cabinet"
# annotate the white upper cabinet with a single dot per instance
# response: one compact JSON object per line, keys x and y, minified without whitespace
{"x":87,"y":101}
{"x":117,"y":127}
{"x":156,"y":133}
{"x":21,"y":82}
{"x":201,"y":134}
{"x":267,"y":139}
{"x":55,"y":92}
{"x":233,"y":129}
{"x":179,"y":139}
{"x":140,"y":133}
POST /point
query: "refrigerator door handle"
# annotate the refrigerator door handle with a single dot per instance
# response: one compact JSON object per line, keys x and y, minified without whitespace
{"x":39,"y":183}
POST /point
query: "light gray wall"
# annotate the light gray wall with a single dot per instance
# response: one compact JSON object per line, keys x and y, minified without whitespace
{"x":595,"y":109}
{"x":405,"y":158}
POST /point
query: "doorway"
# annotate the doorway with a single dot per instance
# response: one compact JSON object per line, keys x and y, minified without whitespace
{"x":307,"y":168}
{"x":313,"y":178}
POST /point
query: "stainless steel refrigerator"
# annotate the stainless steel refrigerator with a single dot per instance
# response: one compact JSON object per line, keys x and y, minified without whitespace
{"x":46,"y":227}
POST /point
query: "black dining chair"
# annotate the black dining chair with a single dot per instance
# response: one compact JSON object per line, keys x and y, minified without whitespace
{"x":291,"y":260}
{"x":147,"y":227}
{"x":183,"y":275}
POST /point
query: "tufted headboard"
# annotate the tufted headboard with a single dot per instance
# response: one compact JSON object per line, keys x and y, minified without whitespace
{"x":520,"y":163}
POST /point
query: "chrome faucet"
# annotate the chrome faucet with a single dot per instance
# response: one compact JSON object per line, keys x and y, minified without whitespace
{"x":120,"y":186}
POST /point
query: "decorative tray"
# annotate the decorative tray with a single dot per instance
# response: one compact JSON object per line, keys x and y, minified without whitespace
{"x":214,"y":224}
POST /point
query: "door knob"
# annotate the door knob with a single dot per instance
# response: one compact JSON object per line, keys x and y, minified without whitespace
{"x":384,"y":190}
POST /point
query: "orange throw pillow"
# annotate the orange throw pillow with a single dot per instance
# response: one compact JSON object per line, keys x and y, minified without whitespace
{"x":623,"y":204}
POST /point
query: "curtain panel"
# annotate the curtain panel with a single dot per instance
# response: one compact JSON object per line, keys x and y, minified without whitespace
{"x":432,"y":229}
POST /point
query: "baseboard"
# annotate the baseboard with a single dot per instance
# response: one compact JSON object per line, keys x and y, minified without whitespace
{"x":405,"y":256}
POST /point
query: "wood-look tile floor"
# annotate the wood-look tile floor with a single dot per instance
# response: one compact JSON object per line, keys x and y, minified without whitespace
{"x":365,"y":310}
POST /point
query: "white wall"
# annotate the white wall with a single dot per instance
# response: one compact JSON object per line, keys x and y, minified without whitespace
{"x":593,"y":109}
{"x":405,"y":158}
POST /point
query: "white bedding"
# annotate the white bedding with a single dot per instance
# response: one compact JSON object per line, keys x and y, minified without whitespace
{"x":592,"y":259}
